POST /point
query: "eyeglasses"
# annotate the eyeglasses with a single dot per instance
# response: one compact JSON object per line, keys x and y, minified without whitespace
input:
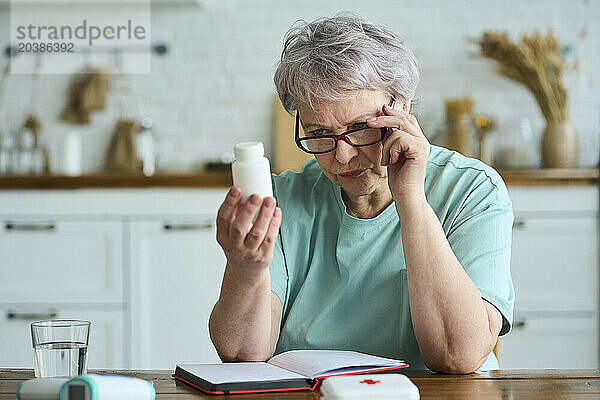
{"x":357,"y":137}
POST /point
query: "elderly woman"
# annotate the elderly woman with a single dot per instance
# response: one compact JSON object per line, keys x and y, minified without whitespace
{"x":382,"y":243}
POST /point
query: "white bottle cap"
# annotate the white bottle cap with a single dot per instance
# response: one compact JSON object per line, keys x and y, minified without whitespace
{"x":249,"y":151}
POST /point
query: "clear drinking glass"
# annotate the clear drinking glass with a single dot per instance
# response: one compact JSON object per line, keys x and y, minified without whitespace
{"x":60,"y":347}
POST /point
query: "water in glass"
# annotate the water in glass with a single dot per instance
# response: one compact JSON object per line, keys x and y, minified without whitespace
{"x":60,"y":359}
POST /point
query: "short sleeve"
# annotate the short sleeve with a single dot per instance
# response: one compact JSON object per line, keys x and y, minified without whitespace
{"x":480,"y":237}
{"x":278,"y":272}
{"x":278,"y":268}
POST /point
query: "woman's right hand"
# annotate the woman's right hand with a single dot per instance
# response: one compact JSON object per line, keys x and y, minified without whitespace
{"x":247,"y":245}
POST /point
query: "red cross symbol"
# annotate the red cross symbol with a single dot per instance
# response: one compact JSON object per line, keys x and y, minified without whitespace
{"x":370,"y":381}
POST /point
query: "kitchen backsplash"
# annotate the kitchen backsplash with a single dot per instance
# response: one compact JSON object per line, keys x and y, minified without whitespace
{"x":215,"y":87}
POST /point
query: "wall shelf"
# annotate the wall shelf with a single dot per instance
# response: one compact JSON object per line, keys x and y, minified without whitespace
{"x":525,"y":177}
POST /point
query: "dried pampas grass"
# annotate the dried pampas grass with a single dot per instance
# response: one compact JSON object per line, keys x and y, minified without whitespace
{"x":537,"y":63}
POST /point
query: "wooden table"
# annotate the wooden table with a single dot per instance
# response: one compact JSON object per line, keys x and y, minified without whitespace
{"x":507,"y":384}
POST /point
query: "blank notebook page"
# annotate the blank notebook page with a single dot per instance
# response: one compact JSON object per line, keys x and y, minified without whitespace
{"x":313,"y":363}
{"x":239,"y":372}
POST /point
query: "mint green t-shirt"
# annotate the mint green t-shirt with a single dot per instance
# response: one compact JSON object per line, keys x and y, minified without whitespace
{"x":342,"y":280}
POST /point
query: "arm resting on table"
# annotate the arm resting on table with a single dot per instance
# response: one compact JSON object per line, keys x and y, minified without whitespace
{"x":244,"y":324}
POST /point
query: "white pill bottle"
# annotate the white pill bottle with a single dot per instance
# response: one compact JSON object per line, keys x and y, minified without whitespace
{"x":251,"y":170}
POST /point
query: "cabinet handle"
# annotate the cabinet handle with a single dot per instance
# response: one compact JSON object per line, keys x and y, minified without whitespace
{"x":519,"y":224}
{"x":188,"y":227}
{"x":11,"y":226}
{"x":31,"y":316}
{"x":519,"y":324}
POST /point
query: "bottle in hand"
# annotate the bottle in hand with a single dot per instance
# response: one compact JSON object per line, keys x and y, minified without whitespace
{"x":251,"y":170}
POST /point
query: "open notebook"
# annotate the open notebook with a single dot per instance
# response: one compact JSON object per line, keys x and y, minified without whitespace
{"x":292,"y":370}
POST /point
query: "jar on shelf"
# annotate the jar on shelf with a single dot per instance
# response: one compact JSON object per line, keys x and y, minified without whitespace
{"x":460,"y":127}
{"x":515,"y":146}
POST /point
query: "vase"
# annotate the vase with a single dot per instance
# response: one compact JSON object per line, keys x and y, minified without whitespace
{"x":560,"y":145}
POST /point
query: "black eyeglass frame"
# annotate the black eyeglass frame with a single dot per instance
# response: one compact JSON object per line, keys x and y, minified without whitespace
{"x":341,"y":136}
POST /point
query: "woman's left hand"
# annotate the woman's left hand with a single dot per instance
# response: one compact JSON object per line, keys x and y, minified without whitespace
{"x":405,"y":152}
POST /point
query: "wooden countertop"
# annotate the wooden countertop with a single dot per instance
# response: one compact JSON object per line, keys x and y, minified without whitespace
{"x":95,"y":181}
{"x":501,"y":384}
{"x":551,"y":176}
{"x":531,"y":177}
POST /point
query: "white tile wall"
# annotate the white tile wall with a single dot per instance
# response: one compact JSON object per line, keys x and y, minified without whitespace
{"x":215,"y":86}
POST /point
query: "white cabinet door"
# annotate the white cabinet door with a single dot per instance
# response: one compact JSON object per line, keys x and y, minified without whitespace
{"x":176,"y":272}
{"x":45,"y":260}
{"x":555,"y":264}
{"x":555,"y":273}
{"x":550,"y":343}
{"x":106,"y":346}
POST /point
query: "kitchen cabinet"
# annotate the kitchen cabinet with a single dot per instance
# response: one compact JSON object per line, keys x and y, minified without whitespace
{"x":176,"y":273}
{"x":106,"y":349}
{"x":554,"y":268}
{"x":142,"y":264}
{"x":46,"y":259}
{"x":57,"y":267}
{"x":562,"y":341}
{"x":554,"y":261}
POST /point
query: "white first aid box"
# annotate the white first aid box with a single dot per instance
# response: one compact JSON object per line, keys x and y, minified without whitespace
{"x":371,"y":386}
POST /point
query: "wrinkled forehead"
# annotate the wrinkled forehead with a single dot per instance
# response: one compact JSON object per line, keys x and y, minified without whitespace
{"x":360,"y":102}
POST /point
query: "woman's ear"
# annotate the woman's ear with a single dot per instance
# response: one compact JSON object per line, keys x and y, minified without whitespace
{"x":406,"y":106}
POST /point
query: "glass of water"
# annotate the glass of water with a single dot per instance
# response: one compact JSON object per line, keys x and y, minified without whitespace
{"x":60,"y":347}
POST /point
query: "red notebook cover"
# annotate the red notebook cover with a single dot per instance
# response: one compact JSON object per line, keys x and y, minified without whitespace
{"x":265,"y":386}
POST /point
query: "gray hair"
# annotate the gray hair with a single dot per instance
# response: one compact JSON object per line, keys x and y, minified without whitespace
{"x":329,"y":57}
